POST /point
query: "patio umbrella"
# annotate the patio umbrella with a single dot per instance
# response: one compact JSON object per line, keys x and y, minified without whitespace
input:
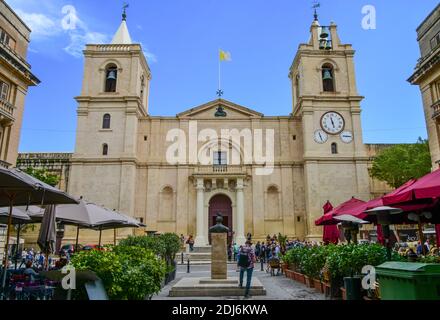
{"x":87,"y":215}
{"x":330,"y":232}
{"x":344,"y":208}
{"x":47,"y":236}
{"x":427,"y":187}
{"x":19,"y":218}
{"x":20,"y":189}
{"x":123,"y":222}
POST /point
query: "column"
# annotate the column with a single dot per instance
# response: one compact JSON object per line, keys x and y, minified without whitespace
{"x":240,"y":239}
{"x":200,"y":240}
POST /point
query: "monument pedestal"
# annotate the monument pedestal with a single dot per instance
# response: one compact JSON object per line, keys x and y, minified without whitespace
{"x":218,"y":285}
{"x":206,"y":287}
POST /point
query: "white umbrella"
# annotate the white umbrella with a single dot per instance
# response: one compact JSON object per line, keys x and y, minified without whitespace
{"x":350,"y":218}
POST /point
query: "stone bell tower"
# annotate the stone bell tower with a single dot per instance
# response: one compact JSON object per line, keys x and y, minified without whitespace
{"x":113,"y":98}
{"x":326,"y":99}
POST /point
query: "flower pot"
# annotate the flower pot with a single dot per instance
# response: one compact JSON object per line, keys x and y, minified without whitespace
{"x":309,"y":282}
{"x":301,"y":278}
{"x":317,"y":285}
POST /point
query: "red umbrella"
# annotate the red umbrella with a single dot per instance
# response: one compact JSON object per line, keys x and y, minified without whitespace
{"x":345,"y":208}
{"x":331,"y":232}
{"x":427,"y":187}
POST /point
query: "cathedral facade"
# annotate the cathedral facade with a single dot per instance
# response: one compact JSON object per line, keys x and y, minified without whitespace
{"x":264,"y":174}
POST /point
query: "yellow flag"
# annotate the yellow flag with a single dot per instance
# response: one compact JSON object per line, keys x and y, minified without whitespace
{"x":225,"y":56}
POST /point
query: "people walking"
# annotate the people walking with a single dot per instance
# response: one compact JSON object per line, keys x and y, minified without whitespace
{"x":190,"y":242}
{"x":246,"y":263}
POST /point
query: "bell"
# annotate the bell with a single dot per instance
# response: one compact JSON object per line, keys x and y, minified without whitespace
{"x":327,"y":75}
{"x":328,"y":45}
{"x":322,"y":44}
{"x":324,"y":33}
{"x":111,"y":75}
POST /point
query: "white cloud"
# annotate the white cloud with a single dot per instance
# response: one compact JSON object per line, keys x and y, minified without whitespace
{"x":40,"y":24}
{"x":65,"y":21}
{"x":151,"y":57}
{"x":78,"y":41}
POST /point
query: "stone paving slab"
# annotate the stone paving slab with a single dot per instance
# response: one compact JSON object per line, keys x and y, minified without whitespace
{"x":277,"y":287}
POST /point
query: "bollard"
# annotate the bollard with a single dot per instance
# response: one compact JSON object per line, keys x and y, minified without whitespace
{"x":262,"y":265}
{"x":187,"y":268}
{"x":182,"y":258}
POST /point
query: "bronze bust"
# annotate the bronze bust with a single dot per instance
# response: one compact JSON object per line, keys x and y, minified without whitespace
{"x":220,"y":112}
{"x":219,"y":227}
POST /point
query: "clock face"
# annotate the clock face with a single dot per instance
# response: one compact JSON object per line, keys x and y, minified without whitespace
{"x":320,"y":136}
{"x":332,"y":122}
{"x":347,"y":136}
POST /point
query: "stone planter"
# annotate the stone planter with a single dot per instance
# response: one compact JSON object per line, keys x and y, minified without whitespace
{"x":301,"y":278}
{"x":309,"y":282}
{"x":318,"y":286}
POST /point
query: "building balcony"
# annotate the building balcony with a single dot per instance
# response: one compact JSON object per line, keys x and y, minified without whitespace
{"x":436,"y":110}
{"x":6,"y":112}
{"x":4,"y":164}
{"x":220,"y":170}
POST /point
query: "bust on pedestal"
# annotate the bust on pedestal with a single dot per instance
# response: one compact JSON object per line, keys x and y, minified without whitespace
{"x":219,"y":257}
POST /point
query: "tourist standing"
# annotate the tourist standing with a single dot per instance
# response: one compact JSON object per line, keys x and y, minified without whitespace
{"x":257,"y":250}
{"x":190,"y":242}
{"x":246,"y":263}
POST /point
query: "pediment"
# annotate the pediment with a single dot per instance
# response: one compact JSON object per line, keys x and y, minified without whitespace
{"x":209,"y":110}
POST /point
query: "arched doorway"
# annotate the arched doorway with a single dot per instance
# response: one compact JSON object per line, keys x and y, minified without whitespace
{"x":221,"y":204}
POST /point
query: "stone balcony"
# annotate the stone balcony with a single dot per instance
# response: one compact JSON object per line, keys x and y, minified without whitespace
{"x":220,"y":171}
{"x":436,"y":110}
{"x":4,"y":164}
{"x":6,"y":112}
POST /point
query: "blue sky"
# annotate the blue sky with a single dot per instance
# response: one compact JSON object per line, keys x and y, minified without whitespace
{"x":181,"y":39}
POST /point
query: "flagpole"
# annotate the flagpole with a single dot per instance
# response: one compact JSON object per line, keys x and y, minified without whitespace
{"x":219,"y":70}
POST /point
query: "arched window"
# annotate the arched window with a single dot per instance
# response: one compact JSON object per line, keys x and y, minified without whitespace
{"x":105,"y":149}
{"x":334,"y":148}
{"x":106,"y":121}
{"x":328,"y":78}
{"x":111,"y":77}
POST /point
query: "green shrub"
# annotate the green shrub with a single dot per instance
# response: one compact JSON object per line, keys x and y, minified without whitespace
{"x":348,"y":260}
{"x":128,"y":272}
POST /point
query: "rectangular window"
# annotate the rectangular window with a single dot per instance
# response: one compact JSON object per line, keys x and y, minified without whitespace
{"x":4,"y":90}
{"x":435,"y":41}
{"x":220,"y":158}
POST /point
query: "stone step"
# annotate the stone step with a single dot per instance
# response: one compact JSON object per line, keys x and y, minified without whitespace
{"x":197,"y":256}
{"x":206,"y":249}
{"x":205,"y":287}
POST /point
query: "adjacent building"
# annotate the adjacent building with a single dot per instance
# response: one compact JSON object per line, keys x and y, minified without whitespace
{"x":427,"y":76}
{"x":15,"y":78}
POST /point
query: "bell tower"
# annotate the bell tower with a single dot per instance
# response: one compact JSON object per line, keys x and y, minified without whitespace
{"x":114,"y":97}
{"x":326,"y":99}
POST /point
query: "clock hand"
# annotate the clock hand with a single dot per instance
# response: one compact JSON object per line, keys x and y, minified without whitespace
{"x":320,"y":136}
{"x":332,"y":122}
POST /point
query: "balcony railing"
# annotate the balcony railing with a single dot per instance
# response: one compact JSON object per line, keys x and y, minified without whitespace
{"x":435,"y":110}
{"x":4,"y":164}
{"x":6,"y":110}
{"x":220,"y":169}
